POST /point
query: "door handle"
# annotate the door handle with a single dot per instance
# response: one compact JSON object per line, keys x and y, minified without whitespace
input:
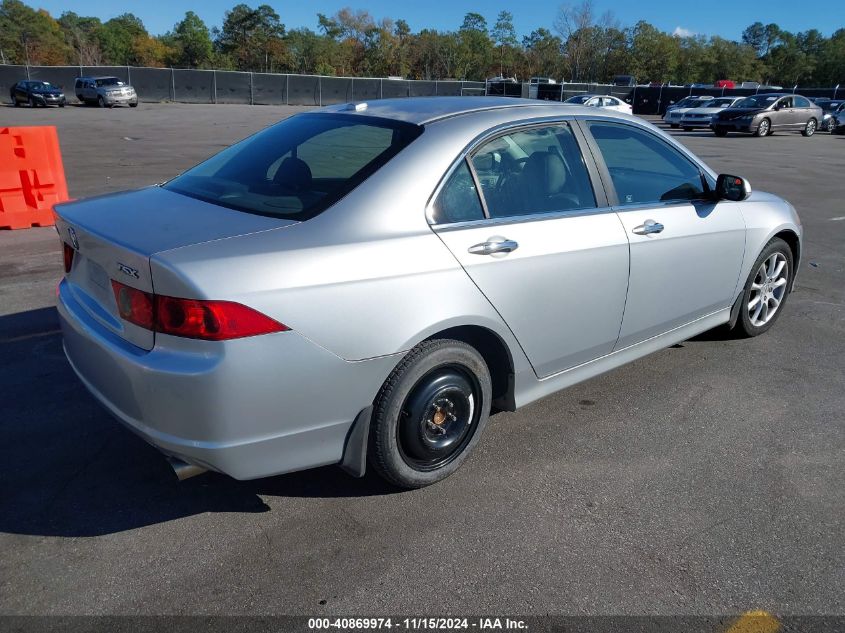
{"x":648,"y":227}
{"x":491,"y":247}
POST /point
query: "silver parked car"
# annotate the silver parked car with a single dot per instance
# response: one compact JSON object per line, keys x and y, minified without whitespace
{"x":105,"y":92}
{"x":674,"y":115}
{"x":370,"y":282}
{"x":703,"y":114}
{"x":765,"y":114}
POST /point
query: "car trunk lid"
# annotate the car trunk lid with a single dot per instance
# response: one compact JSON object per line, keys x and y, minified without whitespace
{"x":114,"y":236}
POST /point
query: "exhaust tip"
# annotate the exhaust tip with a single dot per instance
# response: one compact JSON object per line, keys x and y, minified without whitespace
{"x":184,"y":470}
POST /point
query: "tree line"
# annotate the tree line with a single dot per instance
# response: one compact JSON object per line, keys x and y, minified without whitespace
{"x":578,"y":45}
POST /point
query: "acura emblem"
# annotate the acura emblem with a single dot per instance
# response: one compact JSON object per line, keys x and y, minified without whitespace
{"x":73,"y":241}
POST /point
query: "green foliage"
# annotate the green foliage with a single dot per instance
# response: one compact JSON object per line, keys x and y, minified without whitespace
{"x":191,"y":42}
{"x":582,"y":46}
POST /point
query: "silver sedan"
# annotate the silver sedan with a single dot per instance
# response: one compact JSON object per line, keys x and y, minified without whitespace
{"x":367,"y":283}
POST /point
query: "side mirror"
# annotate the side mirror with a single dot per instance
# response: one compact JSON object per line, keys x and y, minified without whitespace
{"x":732,"y":188}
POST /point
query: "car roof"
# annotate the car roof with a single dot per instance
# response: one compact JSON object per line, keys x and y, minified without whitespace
{"x":99,"y":77}
{"x":424,"y":110}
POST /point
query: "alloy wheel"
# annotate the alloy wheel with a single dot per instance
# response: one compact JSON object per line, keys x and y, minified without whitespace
{"x":768,"y":289}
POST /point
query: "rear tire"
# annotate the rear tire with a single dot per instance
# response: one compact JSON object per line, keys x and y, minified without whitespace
{"x":133,"y":105}
{"x":766,"y":289}
{"x":674,"y":126}
{"x":687,"y":129}
{"x":430,"y":413}
{"x":32,"y":103}
{"x":719,"y":131}
{"x":764,"y":128}
{"x":809,"y":129}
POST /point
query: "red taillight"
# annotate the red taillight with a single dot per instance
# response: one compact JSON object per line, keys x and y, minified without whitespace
{"x":68,"y":254}
{"x":134,"y":305}
{"x":192,"y":318}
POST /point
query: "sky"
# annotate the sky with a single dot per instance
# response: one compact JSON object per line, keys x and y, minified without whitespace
{"x":717,"y":17}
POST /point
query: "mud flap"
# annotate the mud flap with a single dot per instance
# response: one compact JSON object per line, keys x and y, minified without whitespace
{"x":354,"y":459}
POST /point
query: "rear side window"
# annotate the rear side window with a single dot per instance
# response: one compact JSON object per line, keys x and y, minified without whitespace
{"x":644,"y":168}
{"x":298,"y":167}
{"x":534,"y":170}
{"x":801,"y":102}
{"x":458,"y":200}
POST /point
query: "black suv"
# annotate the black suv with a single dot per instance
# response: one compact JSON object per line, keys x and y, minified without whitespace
{"x":37,"y":93}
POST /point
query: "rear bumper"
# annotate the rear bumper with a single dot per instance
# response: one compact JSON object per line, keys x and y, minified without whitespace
{"x":248,"y":408}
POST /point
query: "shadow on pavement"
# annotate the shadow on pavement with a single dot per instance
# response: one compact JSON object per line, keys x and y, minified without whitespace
{"x":68,"y":469}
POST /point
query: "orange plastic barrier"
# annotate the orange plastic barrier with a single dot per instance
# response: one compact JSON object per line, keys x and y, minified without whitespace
{"x":32,"y":177}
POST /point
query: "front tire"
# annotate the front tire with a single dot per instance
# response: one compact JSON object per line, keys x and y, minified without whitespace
{"x":764,"y":128}
{"x":766,"y":289}
{"x":430,"y":413}
{"x":831,"y":125}
{"x":674,"y":126}
{"x":101,"y":102}
{"x":720,"y":131}
{"x":810,"y":128}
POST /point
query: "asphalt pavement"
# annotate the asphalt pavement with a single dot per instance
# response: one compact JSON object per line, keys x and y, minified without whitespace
{"x":705,"y":479}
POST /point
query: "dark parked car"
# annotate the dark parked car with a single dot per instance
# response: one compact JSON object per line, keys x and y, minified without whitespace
{"x":624,"y":80}
{"x":766,"y":114}
{"x":830,"y":108}
{"x":37,"y":93}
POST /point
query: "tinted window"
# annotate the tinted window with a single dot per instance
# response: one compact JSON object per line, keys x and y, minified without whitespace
{"x":533,"y":171}
{"x":757,"y":101}
{"x":298,"y":167}
{"x":643,"y":167}
{"x":801,"y":102}
{"x":458,"y":200}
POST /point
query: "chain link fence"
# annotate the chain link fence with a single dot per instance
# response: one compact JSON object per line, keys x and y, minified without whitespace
{"x":226,"y":86}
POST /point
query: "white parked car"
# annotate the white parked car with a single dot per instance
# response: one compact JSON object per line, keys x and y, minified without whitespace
{"x":673,"y":116}
{"x":600,"y":101}
{"x":703,"y":115}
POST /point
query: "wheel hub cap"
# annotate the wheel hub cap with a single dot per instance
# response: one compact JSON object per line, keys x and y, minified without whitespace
{"x":768,"y":289}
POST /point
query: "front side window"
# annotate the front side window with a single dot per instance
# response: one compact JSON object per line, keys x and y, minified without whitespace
{"x":644,"y":168}
{"x":786,"y":102}
{"x":299,"y":167}
{"x":535,"y":170}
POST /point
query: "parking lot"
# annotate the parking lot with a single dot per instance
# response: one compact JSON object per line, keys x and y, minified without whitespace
{"x":705,"y":479}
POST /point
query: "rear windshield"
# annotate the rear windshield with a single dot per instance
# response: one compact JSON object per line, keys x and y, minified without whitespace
{"x":299,"y":167}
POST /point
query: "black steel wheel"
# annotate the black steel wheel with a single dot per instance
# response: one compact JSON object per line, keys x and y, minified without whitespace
{"x":430,"y":413}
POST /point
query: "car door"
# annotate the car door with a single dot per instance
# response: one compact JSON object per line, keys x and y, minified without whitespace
{"x":803,"y":110}
{"x":783,"y":115}
{"x":539,"y":242}
{"x":686,"y":249}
